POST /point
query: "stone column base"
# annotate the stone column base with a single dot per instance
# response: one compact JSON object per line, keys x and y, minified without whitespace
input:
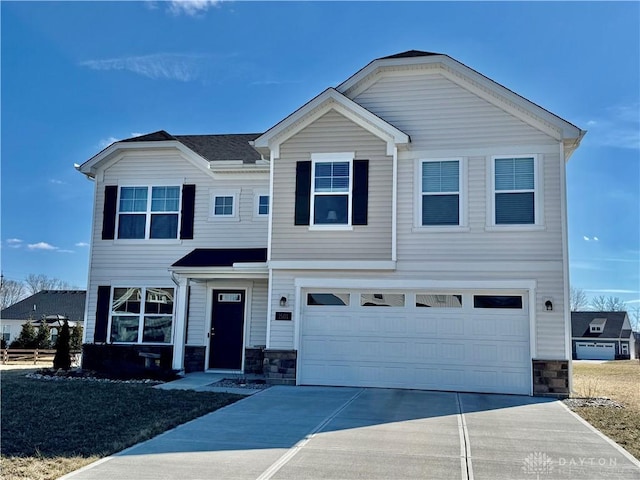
{"x":279,"y":367}
{"x":551,"y":378}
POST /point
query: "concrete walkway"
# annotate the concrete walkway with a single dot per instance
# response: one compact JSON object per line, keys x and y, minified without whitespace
{"x":344,"y":433}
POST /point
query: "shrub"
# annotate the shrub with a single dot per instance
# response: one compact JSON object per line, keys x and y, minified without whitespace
{"x":62,"y":359}
{"x":27,"y":337}
{"x":43,"y":336}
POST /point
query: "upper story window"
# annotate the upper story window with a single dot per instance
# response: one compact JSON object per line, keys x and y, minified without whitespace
{"x":515,"y":191}
{"x":331,"y":192}
{"x":225,"y":205}
{"x":440,"y":193}
{"x":263,"y":205}
{"x":148,"y":212}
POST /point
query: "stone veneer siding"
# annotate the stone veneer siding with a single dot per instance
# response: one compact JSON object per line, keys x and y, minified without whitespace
{"x":279,"y":367}
{"x":194,"y":358}
{"x":253,"y":360}
{"x":551,"y":378}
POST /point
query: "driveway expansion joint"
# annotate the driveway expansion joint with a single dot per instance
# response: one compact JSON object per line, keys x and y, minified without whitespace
{"x":284,"y":459}
{"x":465,"y":445}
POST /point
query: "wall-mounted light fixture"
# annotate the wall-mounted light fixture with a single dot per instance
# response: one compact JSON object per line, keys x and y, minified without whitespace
{"x":283,"y":301}
{"x":548,"y":305}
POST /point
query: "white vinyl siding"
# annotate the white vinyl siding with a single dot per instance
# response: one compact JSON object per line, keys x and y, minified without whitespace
{"x":332,"y":133}
{"x":116,"y":257}
{"x":439,"y":114}
{"x":145,"y":263}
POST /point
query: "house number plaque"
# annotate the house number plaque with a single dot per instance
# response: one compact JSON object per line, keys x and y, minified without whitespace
{"x":283,"y":315}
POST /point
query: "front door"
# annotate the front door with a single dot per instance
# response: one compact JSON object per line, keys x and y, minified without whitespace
{"x":227,"y":330}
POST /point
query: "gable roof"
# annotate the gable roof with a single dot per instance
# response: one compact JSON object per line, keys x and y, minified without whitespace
{"x":328,"y":100}
{"x":208,"y":148}
{"x":68,"y":303}
{"x":613,"y":328}
{"x":410,"y":54}
{"x":472,"y":80}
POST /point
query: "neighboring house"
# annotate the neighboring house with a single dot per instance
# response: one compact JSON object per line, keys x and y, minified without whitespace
{"x":405,"y":229}
{"x":50,"y":306}
{"x":602,"y":336}
{"x":637,"y":339}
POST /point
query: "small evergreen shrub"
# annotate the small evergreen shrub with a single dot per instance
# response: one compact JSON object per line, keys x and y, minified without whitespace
{"x":62,"y":359}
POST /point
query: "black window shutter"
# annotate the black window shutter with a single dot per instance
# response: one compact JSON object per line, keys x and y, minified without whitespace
{"x":360,"y":192}
{"x":102,"y":314}
{"x":109,"y":213}
{"x":188,"y":211}
{"x":303,"y":193}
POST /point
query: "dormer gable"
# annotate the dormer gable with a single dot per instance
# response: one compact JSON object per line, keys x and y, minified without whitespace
{"x":597,"y":325}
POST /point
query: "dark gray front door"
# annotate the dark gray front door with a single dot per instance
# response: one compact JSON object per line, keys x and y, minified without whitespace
{"x":227,"y":330}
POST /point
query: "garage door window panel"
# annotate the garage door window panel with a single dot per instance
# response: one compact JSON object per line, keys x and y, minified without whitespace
{"x":498,"y":301}
{"x":438,"y":300}
{"x":319,"y":299}
{"x":382,"y":300}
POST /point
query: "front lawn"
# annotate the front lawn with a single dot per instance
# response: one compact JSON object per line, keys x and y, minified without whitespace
{"x":50,"y":428}
{"x":620,"y":381}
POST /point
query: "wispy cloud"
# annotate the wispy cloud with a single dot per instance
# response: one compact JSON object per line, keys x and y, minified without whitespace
{"x":159,"y":66}
{"x":55,"y":181}
{"x":191,"y":8}
{"x":14,"y":242}
{"x":105,"y":142}
{"x":82,"y":244}
{"x":589,"y":239}
{"x":41,"y":246}
{"x":619,"y":126}
{"x":61,"y":250}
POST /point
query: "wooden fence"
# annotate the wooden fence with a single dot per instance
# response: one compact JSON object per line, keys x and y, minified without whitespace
{"x":22,"y":355}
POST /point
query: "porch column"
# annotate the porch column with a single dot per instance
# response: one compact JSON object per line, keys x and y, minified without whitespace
{"x":180,"y":332}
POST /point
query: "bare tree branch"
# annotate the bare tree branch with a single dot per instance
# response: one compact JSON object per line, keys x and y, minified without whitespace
{"x":37,"y":283}
{"x":11,"y":291}
{"x":578,"y":299}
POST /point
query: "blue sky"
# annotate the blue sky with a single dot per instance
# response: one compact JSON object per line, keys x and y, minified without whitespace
{"x":78,"y":75}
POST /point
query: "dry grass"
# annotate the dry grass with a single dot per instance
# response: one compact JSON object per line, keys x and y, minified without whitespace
{"x":51,"y":428}
{"x":620,"y":381}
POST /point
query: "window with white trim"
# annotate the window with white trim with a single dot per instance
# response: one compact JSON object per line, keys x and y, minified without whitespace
{"x":331,"y":192}
{"x":148,"y":212}
{"x":514,"y":181}
{"x":440,"y":203}
{"x":141,"y":315}
{"x":224,"y":204}
{"x":262,"y":205}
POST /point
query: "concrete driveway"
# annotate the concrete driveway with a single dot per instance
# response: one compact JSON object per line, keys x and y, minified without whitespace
{"x":347,"y":433}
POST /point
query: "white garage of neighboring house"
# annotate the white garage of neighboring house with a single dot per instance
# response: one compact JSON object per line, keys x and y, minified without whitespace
{"x":602,"y":336}
{"x":461,"y":340}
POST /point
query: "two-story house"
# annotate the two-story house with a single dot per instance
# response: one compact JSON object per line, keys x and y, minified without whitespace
{"x":407,"y":229}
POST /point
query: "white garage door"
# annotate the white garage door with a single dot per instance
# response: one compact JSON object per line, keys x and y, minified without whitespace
{"x":460,"y":341}
{"x":595,"y":351}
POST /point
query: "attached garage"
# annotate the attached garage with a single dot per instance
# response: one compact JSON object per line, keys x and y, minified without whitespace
{"x":595,"y":351}
{"x":475,"y":341}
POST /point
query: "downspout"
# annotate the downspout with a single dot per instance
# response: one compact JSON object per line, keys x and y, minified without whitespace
{"x":565,"y":266}
{"x":394,"y":208}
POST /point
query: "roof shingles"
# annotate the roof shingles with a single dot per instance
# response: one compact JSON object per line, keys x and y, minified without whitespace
{"x":68,"y":303}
